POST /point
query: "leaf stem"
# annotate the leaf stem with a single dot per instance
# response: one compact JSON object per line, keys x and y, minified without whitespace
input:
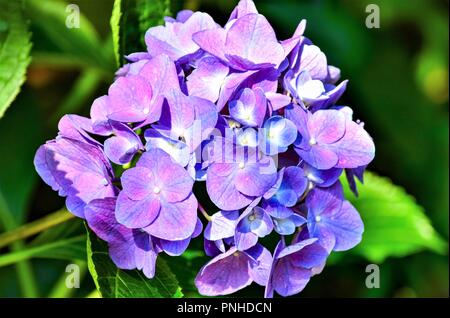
{"x":203,"y":211}
{"x":35,"y":227}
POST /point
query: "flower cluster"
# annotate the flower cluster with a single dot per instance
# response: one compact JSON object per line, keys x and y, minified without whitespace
{"x":253,"y":118}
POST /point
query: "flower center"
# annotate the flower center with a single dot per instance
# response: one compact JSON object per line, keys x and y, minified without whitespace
{"x":252,"y":217}
{"x":105,"y":182}
{"x":241,"y":165}
{"x":236,"y":254}
{"x":318,"y":218}
{"x":156,"y":190}
{"x":312,"y":141}
{"x":146,"y":111}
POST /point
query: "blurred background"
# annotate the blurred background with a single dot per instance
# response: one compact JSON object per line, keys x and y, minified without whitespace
{"x":398,"y":86}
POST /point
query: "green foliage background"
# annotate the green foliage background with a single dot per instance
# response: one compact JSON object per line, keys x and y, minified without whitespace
{"x":398,"y":85}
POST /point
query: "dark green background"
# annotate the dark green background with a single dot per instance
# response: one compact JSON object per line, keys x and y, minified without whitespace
{"x":398,"y":86}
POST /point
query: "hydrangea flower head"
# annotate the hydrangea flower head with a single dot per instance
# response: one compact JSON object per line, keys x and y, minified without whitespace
{"x":253,"y":118}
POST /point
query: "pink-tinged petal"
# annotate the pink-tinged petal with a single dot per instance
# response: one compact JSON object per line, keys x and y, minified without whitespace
{"x":231,"y":86}
{"x":222,"y":225}
{"x":355,"y":149}
{"x":224,"y":274}
{"x":182,"y":112}
{"x":157,"y":68}
{"x":120,"y":149}
{"x":222,"y":190}
{"x":163,"y":40}
{"x":243,"y":7}
{"x":198,"y":21}
{"x":44,"y":171}
{"x":99,"y":116}
{"x":207,"y":79}
{"x":76,"y":169}
{"x":137,"y":214}
{"x":137,"y":183}
{"x":212,"y":41}
{"x":277,"y":101}
{"x":150,"y":158}
{"x":314,"y":61}
{"x":154,"y":70}
{"x":171,"y":181}
{"x":251,"y":37}
{"x":92,"y":186}
{"x":255,"y":179}
{"x":334,"y":74}
{"x":206,"y":117}
{"x":319,"y":157}
{"x":130,"y":98}
{"x":250,"y":107}
{"x":77,"y":127}
{"x":260,"y":268}
{"x":175,"y":39}
{"x":327,"y":126}
{"x":176,"y":221}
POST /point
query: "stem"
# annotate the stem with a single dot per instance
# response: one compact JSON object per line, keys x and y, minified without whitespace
{"x":35,"y":227}
{"x":24,"y":269}
{"x":206,"y":215}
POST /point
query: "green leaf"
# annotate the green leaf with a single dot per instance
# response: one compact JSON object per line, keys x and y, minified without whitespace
{"x":82,"y":44}
{"x":131,"y":19}
{"x":113,"y":282}
{"x":115,"y":28}
{"x":15,"y":48}
{"x":395,"y":225}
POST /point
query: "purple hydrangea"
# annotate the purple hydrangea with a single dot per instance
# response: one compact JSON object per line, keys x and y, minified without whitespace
{"x":252,"y":118}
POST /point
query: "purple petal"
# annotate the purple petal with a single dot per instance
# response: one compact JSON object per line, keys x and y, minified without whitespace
{"x":255,"y":179}
{"x":288,"y":279}
{"x":137,"y":183}
{"x":224,"y":274}
{"x":278,"y":101}
{"x":175,"y":248}
{"x":222,"y":225}
{"x":355,"y":149}
{"x":327,"y":126}
{"x":319,"y":157}
{"x":121,"y":148}
{"x":99,"y":116}
{"x":176,"y":221}
{"x":260,"y":268}
{"x":207,"y":79}
{"x":137,"y":214}
{"x":145,"y":253}
{"x":212,"y":41}
{"x":250,"y":107}
{"x":314,"y":61}
{"x":252,"y":38}
{"x":100,"y":217}
{"x":243,"y":7}
{"x":222,"y":190}
{"x":130,"y":98}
